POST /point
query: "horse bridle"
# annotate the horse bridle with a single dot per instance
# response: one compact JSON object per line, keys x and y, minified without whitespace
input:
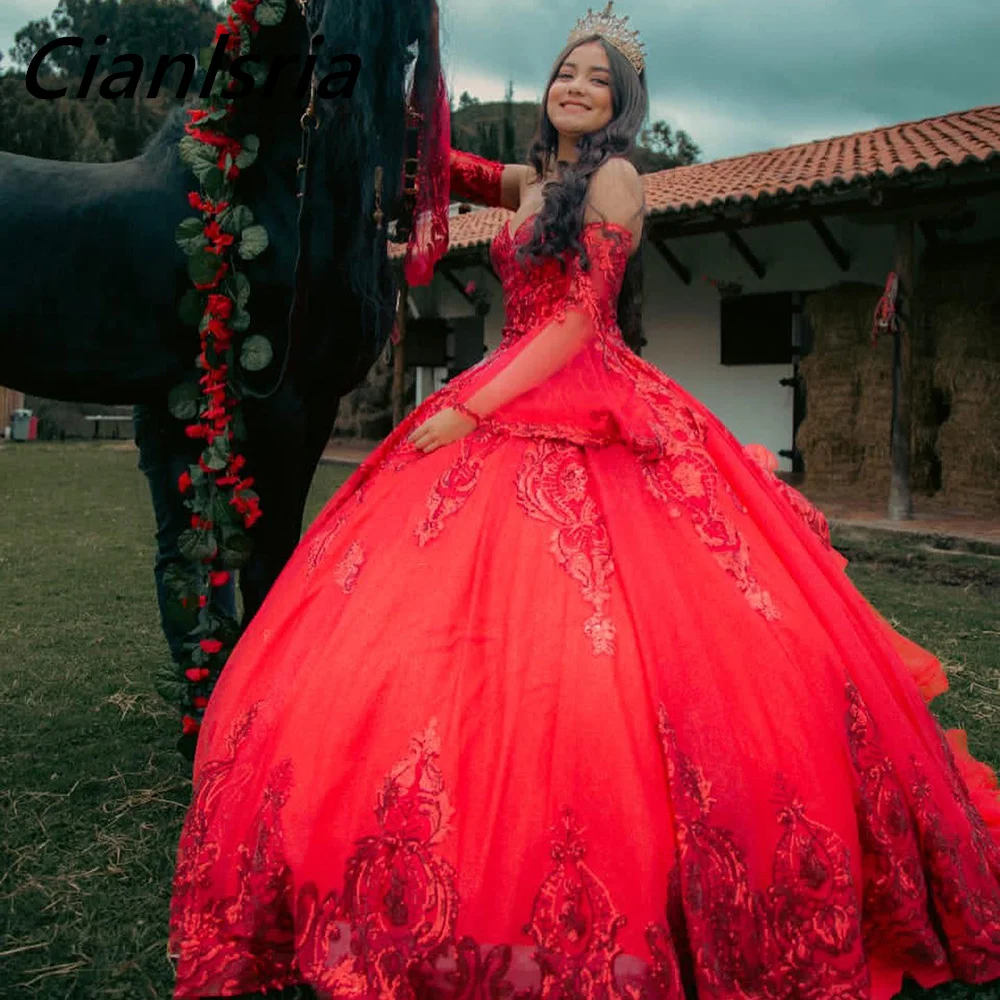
{"x":310,"y":123}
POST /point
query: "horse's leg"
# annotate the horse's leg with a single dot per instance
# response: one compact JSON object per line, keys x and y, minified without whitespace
{"x":164,"y":453}
{"x":284,"y":476}
{"x":276,"y":431}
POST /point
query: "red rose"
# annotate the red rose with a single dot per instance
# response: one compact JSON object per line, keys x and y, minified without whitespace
{"x":218,"y":578}
{"x":191,"y":725}
{"x":210,"y":646}
{"x":184,"y":481}
{"x":200,"y":701}
{"x":196,"y":674}
{"x":220,"y":305}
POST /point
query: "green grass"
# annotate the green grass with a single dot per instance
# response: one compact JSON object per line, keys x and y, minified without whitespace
{"x":92,"y":791}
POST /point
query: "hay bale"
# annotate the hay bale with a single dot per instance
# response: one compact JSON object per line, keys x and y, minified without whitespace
{"x":826,"y":436}
{"x":969,"y":439}
{"x":959,"y":295}
{"x":841,"y":316}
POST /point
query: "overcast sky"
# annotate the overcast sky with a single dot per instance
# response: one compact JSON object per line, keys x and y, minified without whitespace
{"x":737,"y":75}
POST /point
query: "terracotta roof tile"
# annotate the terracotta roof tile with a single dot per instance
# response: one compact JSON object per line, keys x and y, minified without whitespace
{"x":896,"y":150}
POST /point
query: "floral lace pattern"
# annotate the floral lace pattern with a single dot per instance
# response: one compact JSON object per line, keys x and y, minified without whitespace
{"x":456,"y":484}
{"x":680,"y":472}
{"x":803,"y":928}
{"x":552,"y":486}
{"x":346,"y":573}
{"x":391,"y":930}
{"x":475,"y":179}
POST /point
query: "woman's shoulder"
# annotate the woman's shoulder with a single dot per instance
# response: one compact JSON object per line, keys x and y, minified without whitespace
{"x":617,"y":195}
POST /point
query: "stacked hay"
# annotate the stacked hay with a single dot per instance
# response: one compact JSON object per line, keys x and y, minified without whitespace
{"x":840,"y":318}
{"x":961,"y":298}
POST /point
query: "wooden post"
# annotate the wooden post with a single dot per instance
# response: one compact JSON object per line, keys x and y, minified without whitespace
{"x":399,"y":356}
{"x":900,"y":500}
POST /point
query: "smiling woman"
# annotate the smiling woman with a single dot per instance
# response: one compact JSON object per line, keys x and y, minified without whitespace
{"x":125,"y":83}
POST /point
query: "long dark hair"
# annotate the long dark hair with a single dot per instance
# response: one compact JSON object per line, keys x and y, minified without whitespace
{"x":559,"y":224}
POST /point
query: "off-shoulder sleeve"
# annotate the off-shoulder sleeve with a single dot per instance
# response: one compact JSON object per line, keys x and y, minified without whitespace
{"x":580,"y":315}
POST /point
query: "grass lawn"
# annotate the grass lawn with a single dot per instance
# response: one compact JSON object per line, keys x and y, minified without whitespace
{"x":92,"y":791}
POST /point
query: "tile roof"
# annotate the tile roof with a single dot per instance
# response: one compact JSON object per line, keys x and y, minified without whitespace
{"x":823,"y":165}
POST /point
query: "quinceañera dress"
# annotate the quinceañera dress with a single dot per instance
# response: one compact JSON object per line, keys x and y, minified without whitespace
{"x":581,"y":705}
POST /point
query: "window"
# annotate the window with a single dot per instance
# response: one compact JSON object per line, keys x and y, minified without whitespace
{"x":757,"y":329}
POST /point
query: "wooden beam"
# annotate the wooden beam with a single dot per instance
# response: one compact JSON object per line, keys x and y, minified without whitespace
{"x":900,"y":500}
{"x":675,"y":265}
{"x":746,"y":253}
{"x":399,"y":357}
{"x":837,"y":252}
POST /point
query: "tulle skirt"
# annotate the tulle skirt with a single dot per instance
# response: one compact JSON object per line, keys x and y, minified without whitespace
{"x":527,"y":717}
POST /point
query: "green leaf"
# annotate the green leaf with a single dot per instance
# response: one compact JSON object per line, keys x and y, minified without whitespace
{"x":205,"y":56}
{"x":242,"y":290}
{"x":240,"y":321}
{"x":215,"y":185}
{"x":203,"y":267}
{"x":270,"y":12}
{"x":194,"y":151}
{"x":247,"y":155}
{"x":183,"y":400}
{"x":254,"y":242}
{"x":168,"y":682}
{"x":197,"y":545}
{"x":190,"y":235}
{"x":217,"y":454}
{"x":192,"y":307}
{"x":236,"y":218}
{"x":236,"y":548}
{"x":256,"y":353}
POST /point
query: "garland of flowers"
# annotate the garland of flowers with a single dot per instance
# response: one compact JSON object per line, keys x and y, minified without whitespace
{"x":221,"y":500}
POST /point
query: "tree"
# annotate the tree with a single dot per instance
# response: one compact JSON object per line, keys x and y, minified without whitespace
{"x":465,"y":100}
{"x":508,"y":149}
{"x":660,"y":148}
{"x":93,"y":128}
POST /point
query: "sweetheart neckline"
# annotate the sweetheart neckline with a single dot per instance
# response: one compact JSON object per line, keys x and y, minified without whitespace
{"x":512,"y":235}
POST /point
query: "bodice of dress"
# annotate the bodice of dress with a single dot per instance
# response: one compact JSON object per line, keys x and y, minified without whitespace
{"x":535,"y":291}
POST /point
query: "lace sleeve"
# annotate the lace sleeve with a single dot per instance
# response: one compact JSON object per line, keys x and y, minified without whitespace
{"x":583,"y":307}
{"x":583,"y":314}
{"x":476,"y":179}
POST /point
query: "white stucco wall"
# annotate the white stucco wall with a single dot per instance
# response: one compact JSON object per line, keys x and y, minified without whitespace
{"x":682,"y":321}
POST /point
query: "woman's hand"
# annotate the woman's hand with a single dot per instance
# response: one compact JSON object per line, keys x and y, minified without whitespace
{"x":444,"y":427}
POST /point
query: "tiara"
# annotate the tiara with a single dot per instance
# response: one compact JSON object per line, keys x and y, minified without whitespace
{"x":614,"y":31}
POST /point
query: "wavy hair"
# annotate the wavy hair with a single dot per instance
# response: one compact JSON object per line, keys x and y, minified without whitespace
{"x":559,"y":224}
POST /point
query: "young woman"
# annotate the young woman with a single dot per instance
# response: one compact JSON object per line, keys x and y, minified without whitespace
{"x":565,"y":694}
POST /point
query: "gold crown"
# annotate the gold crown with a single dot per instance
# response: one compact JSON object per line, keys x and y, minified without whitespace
{"x":614,"y":31}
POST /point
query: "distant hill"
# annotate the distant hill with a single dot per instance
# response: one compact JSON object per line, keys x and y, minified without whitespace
{"x":479,"y":125}
{"x":479,"y":128}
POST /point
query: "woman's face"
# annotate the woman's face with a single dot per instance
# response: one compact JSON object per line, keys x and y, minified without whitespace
{"x":579,"y":100}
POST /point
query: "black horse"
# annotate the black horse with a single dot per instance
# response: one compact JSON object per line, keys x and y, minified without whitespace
{"x":91,"y":276}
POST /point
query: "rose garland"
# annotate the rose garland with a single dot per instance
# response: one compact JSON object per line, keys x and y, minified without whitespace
{"x":222,"y":502}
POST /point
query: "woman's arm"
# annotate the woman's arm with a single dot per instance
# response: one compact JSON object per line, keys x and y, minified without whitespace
{"x":485,"y":182}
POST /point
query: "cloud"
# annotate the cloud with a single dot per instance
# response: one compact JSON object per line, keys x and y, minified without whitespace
{"x":737,"y":75}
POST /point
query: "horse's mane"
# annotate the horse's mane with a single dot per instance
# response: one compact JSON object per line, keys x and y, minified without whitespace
{"x":371,"y":134}
{"x":358,"y":134}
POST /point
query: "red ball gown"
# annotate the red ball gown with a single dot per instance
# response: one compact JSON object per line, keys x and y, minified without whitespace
{"x":581,"y":705}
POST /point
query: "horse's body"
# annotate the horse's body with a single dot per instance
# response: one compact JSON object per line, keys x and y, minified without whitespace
{"x":91,"y":276}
